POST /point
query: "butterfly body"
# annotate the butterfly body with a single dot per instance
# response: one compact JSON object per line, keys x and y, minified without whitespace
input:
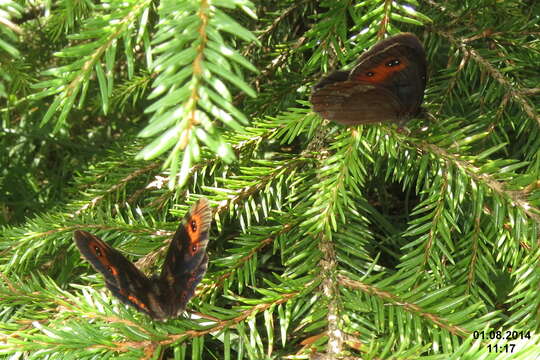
{"x":387,"y":84}
{"x":164,"y":296}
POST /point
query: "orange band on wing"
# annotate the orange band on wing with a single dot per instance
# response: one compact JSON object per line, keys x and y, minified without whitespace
{"x":197,"y":223}
{"x":381,"y":72}
{"x":137,"y":302}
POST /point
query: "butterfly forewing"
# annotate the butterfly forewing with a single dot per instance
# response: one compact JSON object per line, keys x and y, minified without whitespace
{"x":398,"y":64}
{"x":186,"y":260}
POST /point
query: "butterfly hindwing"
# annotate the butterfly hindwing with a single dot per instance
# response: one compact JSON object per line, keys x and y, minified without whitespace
{"x":350,"y":103}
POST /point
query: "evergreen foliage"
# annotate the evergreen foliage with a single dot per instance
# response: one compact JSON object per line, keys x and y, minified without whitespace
{"x":328,"y":242}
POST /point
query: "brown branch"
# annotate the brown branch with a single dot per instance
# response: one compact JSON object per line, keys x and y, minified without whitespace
{"x":395,"y":300}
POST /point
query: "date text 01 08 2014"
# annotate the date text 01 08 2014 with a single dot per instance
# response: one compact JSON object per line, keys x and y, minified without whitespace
{"x":502,"y":335}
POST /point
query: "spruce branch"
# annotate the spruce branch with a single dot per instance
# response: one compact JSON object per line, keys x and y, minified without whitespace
{"x":183,"y":115}
{"x":95,"y":56}
{"x":512,"y":92}
{"x":327,"y":242}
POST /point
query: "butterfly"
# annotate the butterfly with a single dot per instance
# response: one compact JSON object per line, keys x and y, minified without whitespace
{"x":164,"y":296}
{"x":387,"y":84}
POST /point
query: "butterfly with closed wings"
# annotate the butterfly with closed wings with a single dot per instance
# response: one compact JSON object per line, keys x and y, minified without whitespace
{"x":387,"y":84}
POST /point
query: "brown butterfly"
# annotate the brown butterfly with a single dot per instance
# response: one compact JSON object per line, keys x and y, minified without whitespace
{"x":387,"y":84}
{"x":164,"y":296}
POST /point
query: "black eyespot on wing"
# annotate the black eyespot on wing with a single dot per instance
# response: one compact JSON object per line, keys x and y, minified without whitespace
{"x":98,"y":251}
{"x":393,"y":62}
